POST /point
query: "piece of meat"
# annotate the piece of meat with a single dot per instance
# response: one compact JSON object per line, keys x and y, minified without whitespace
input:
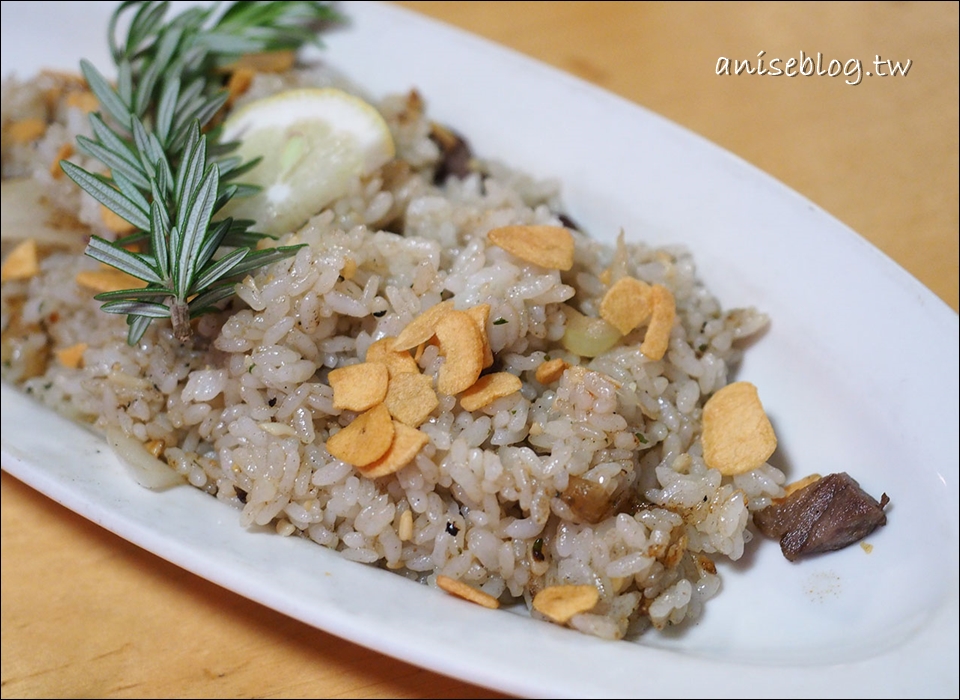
{"x":587,"y":499}
{"x":568,"y":222}
{"x":829,"y":514}
{"x":590,"y":501}
{"x":456,"y":155}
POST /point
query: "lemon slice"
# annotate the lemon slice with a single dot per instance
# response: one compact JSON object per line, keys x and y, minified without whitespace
{"x":313,"y":142}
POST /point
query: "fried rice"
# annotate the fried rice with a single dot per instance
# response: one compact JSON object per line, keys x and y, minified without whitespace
{"x":593,"y":476}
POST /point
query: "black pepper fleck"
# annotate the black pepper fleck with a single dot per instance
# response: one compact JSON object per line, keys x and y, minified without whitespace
{"x":538,"y":549}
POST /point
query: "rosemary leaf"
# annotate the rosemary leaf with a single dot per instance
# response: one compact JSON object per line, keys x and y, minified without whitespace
{"x":116,"y":161}
{"x":122,"y":259}
{"x":168,"y":174}
{"x":104,"y":92}
{"x":137,"y":308}
{"x":220,"y":268}
{"x":258,"y":258}
{"x":212,"y":243}
{"x":141,"y":293}
{"x":159,"y":234}
{"x":166,"y":108}
{"x":107,"y":138}
{"x":194,"y":230}
{"x":204,"y":303}
{"x":130,"y":191}
{"x":101,"y":190}
{"x":138,"y":325}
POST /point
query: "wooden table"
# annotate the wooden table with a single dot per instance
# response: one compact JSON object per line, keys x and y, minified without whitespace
{"x":86,"y":614}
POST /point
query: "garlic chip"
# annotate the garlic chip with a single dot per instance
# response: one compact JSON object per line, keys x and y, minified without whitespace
{"x":547,"y":246}
{"x":467,"y":592}
{"x":462,"y":349}
{"x":737,"y":435}
{"x":488,"y":389}
{"x":365,"y":440}
{"x":239,"y":82}
{"x":551,"y":370}
{"x":480,"y":314}
{"x":407,"y":442}
{"x":108,"y":279}
{"x":21,"y":263}
{"x":423,"y":327}
{"x":72,"y":356}
{"x":359,"y":387}
{"x":64,"y":152}
{"x":25,"y":130}
{"x":626,"y":304}
{"x":397,"y":361}
{"x":560,"y":603}
{"x":84,"y":100}
{"x":410,"y":398}
{"x":115,"y":222}
{"x":664,"y":313}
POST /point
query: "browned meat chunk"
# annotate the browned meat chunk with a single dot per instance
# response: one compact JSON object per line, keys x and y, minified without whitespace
{"x":456,"y":154}
{"x":829,"y":514}
{"x":568,"y":222}
{"x":587,"y":499}
{"x":590,"y":501}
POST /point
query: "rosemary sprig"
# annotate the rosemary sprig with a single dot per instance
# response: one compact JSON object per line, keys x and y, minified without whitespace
{"x":169,"y":175}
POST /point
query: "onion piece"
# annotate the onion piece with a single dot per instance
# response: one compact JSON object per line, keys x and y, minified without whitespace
{"x":149,"y":471}
{"x":588,"y":336}
{"x":26,"y":213}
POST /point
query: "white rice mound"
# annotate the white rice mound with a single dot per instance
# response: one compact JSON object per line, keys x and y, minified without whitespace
{"x":243,"y":410}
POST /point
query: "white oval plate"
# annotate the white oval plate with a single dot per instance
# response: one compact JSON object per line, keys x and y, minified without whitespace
{"x":859,"y":372}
